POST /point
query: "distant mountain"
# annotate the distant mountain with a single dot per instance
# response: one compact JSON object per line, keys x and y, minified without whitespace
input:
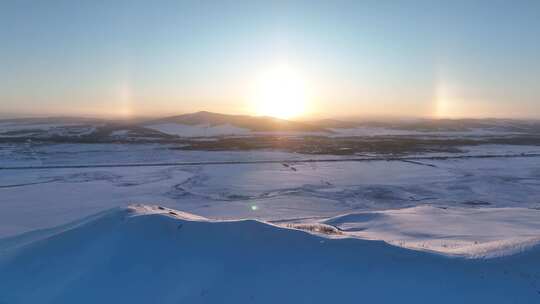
{"x":251,"y":123}
{"x":207,"y":124}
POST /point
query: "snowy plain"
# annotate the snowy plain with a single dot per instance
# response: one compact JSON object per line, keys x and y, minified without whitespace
{"x":330,"y":229}
{"x":286,"y":190}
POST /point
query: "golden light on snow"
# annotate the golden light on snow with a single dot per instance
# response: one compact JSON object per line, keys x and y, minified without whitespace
{"x":280,"y":92}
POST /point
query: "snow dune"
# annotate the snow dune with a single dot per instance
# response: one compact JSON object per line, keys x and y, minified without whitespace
{"x":150,"y":254}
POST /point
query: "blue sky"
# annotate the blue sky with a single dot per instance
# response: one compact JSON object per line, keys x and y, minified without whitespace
{"x":411,"y":58}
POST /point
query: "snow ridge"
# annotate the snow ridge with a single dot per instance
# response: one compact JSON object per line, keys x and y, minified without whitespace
{"x":144,"y":254}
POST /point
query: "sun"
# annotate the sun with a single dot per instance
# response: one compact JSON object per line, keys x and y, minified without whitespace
{"x":280,"y":92}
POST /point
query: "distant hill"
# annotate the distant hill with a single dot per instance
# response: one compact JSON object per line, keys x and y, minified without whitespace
{"x":252,"y":123}
{"x":434,"y":125}
{"x":207,"y":124}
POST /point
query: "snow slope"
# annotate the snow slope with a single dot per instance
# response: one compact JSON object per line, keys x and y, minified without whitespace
{"x":198,"y":130}
{"x":469,"y":232}
{"x":208,"y":130}
{"x":145,"y":254}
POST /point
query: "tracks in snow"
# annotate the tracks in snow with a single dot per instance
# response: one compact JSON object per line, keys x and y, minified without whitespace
{"x":409,"y":159}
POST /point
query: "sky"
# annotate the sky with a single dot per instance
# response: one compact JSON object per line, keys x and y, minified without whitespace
{"x":325,"y":58}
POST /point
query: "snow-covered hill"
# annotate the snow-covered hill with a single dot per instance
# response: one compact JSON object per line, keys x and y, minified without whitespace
{"x":145,"y":254}
{"x":201,"y":130}
{"x":205,"y":124}
{"x":208,"y":124}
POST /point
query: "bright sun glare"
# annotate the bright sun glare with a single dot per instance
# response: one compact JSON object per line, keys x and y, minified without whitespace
{"x":280,"y":92}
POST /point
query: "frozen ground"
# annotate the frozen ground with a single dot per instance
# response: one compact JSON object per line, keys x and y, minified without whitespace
{"x":33,"y":199}
{"x":467,"y":224}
